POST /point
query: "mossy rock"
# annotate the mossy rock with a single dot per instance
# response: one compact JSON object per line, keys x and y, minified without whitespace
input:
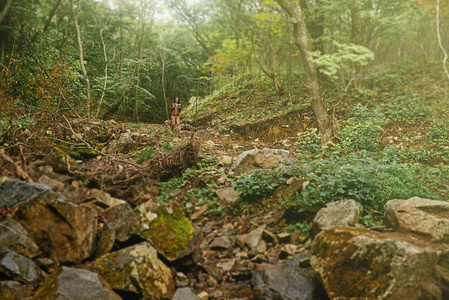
{"x":168,"y":230}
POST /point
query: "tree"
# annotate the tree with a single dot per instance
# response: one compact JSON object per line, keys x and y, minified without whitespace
{"x":323,"y":120}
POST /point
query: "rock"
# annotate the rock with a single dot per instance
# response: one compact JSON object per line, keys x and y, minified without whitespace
{"x":228,"y":194}
{"x":63,"y":231}
{"x":18,"y":267}
{"x":102,"y":199}
{"x":250,"y":160}
{"x":339,"y":213}
{"x":72,"y":283}
{"x":227,"y":265}
{"x":253,"y":240}
{"x":107,"y":240}
{"x":199,"y":211}
{"x":269,"y":237}
{"x":44,"y":179}
{"x":185,"y":294}
{"x":123,"y":219}
{"x":13,"y":290}
{"x":284,"y":237}
{"x":15,"y":238}
{"x":358,"y":263}
{"x":289,"y":189}
{"x":168,"y":230}
{"x":222,"y":242}
{"x":136,"y":271}
{"x":426,"y":217}
{"x":60,"y":162}
{"x":15,"y":191}
{"x":224,"y":160}
{"x":287,"y":250}
{"x":289,"y":281}
{"x":181,"y":280}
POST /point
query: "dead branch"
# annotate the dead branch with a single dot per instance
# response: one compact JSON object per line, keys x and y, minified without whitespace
{"x":174,"y":161}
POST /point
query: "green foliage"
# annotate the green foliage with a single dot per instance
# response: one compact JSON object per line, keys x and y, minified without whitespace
{"x":302,"y":227}
{"x":362,"y":130}
{"x":145,"y":155}
{"x":371,"y":181}
{"x":259,"y":184}
{"x":345,"y":58}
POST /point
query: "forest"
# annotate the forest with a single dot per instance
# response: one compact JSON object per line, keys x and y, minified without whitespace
{"x":349,"y":97}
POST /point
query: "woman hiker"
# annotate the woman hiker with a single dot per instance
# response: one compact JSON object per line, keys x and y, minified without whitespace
{"x":175,"y":110}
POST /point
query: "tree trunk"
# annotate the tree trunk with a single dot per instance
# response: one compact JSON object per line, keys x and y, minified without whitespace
{"x":106,"y":63}
{"x":83,"y":68}
{"x":323,"y":120}
{"x":356,"y":23}
{"x":5,"y":10}
{"x":163,"y":86}
{"x":52,"y":13}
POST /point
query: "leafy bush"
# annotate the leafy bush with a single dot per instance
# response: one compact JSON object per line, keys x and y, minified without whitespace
{"x":371,"y":181}
{"x":259,"y":184}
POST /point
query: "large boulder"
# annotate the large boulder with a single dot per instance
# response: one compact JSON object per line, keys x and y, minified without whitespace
{"x":294,"y":280}
{"x":136,"y":271}
{"x":15,"y":191}
{"x":64,"y":231}
{"x":426,"y":217}
{"x":357,"y":263}
{"x":337,"y":214}
{"x":75,"y":284}
{"x":250,"y":160}
{"x":168,"y":230}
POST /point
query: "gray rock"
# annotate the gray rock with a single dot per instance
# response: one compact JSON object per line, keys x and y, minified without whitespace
{"x":339,"y":213}
{"x":221,"y":242}
{"x":250,"y":160}
{"x":253,"y":240}
{"x":75,"y":284}
{"x":228,"y":194}
{"x":289,"y":281}
{"x":426,"y":217}
{"x":18,"y":267}
{"x":185,"y":294}
{"x":14,"y":237}
{"x":15,"y":191}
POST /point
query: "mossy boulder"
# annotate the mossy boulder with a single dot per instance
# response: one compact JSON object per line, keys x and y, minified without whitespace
{"x":357,"y":263}
{"x":168,"y":229}
{"x":136,"y":272}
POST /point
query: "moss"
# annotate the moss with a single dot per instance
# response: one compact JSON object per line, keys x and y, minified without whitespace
{"x":170,"y":232}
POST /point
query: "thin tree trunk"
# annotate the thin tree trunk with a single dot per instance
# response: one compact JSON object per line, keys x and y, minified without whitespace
{"x":106,"y":62}
{"x":439,"y":40}
{"x":83,"y":68}
{"x":52,"y":14}
{"x":324,"y":121}
{"x":163,"y":86}
{"x":5,"y":10}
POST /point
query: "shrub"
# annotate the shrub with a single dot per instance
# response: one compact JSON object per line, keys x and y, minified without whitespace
{"x":259,"y":184}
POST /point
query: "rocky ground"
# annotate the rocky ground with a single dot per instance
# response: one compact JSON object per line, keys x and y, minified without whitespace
{"x":91,"y":219}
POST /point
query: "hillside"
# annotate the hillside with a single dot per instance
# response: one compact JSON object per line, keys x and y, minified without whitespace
{"x":393,"y":144}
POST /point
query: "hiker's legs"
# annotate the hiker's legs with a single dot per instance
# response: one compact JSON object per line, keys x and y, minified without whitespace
{"x":177,"y":123}
{"x":172,"y":123}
